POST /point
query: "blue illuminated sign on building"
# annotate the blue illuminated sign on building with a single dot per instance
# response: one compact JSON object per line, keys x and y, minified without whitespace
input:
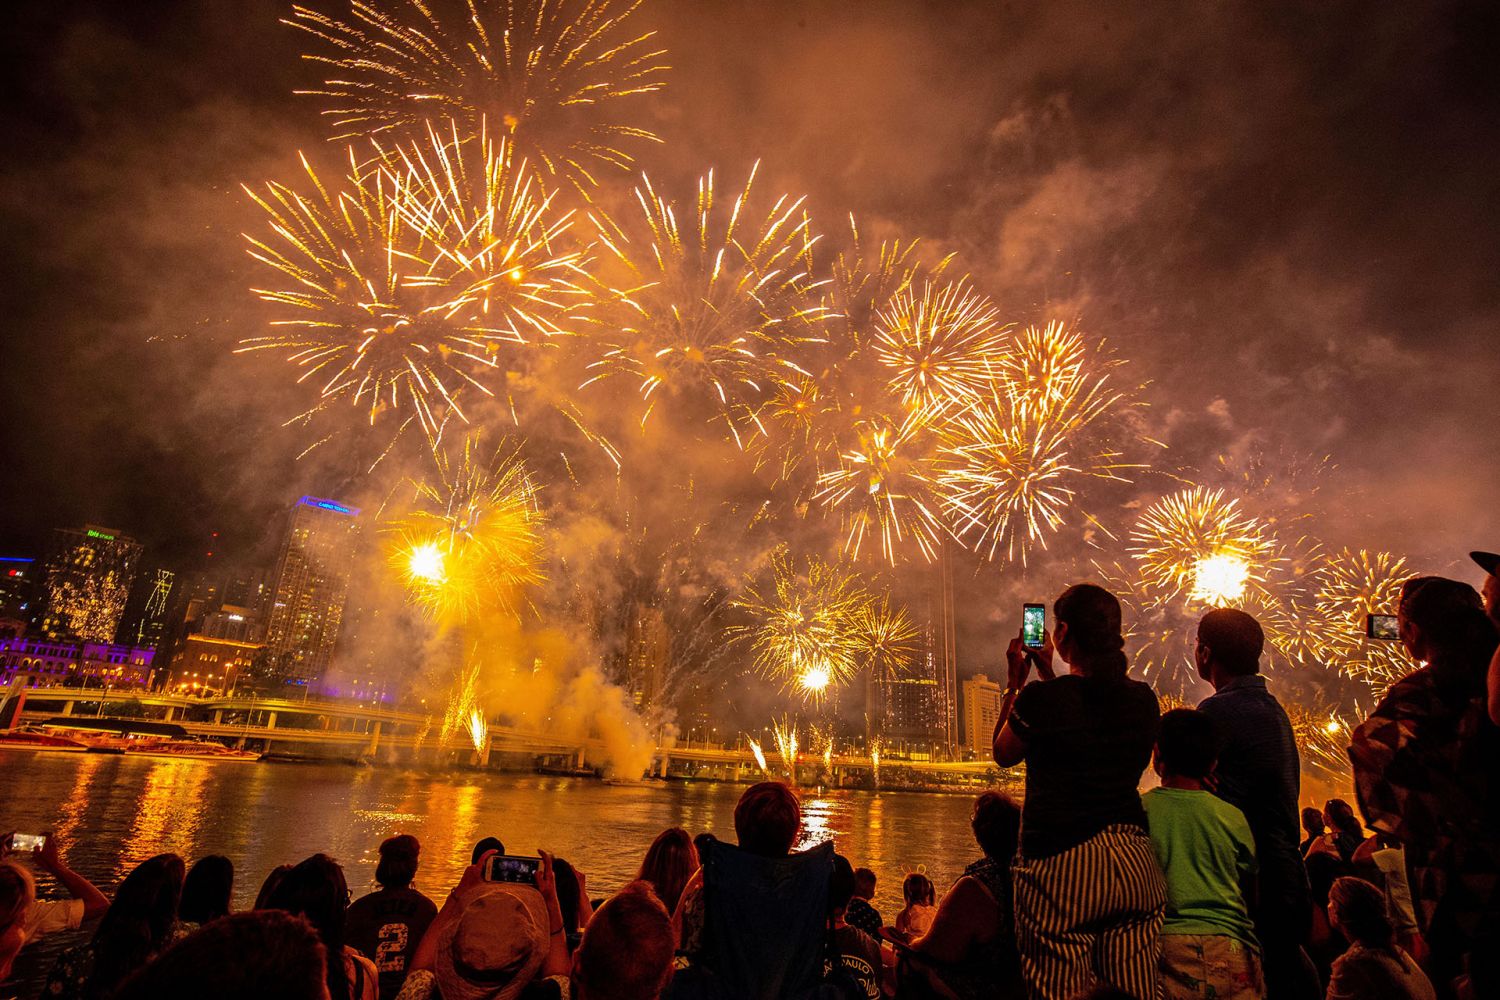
{"x":332,"y":505}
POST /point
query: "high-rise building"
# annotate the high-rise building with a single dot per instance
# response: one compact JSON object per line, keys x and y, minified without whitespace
{"x":146,"y":624}
{"x":908,"y":704}
{"x":311,"y":584}
{"x":17,"y":593}
{"x":87,"y":582}
{"x":648,"y":646}
{"x":981,"y":711}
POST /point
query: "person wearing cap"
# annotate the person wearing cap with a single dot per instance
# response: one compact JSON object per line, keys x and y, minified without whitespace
{"x":1490,"y":591}
{"x":1427,"y":769}
{"x":491,"y":940}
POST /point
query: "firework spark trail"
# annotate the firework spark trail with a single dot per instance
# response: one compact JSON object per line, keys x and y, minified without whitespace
{"x":715,"y":310}
{"x":554,"y":72}
{"x":939,"y":343}
{"x":805,"y":630}
{"x":473,"y":539}
{"x":886,"y":487}
{"x":784,"y":731}
{"x":478,"y":729}
{"x":1322,"y":741}
{"x":463,"y":703}
{"x":875,"y":763}
{"x":1195,"y":540}
{"x":760,"y":755}
{"x":1347,"y":586}
{"x":400,"y":285}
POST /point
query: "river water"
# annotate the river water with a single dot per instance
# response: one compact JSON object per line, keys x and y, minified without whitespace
{"x":111,"y":812}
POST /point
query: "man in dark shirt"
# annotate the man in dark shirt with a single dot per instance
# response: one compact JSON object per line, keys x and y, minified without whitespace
{"x":857,"y":953}
{"x":386,"y":925}
{"x":862,"y":912}
{"x":1259,"y":774}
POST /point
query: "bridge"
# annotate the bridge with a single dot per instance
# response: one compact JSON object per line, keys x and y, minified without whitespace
{"x":340,"y":729}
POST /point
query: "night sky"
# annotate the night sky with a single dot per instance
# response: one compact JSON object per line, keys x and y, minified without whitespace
{"x":1285,"y":216}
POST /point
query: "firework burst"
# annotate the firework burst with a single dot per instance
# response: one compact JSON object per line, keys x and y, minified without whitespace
{"x":473,"y":539}
{"x":399,"y":287}
{"x":1198,"y":544}
{"x":886,"y":488}
{"x":1347,"y":586}
{"x":938,"y":343}
{"x":784,"y":731}
{"x":805,"y":628}
{"x":554,"y":73}
{"x":714,"y":309}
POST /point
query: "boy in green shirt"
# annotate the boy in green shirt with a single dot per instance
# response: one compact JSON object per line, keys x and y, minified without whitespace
{"x":1205,"y":848}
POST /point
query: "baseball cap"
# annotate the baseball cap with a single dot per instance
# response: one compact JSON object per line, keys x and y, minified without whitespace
{"x":1488,"y":561}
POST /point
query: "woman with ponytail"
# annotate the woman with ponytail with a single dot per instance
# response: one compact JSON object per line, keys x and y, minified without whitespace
{"x":1089,"y":897}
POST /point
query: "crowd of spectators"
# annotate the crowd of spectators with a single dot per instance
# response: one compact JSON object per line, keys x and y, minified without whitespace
{"x":1211,"y":886}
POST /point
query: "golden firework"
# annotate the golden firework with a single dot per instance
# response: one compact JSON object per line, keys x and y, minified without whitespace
{"x":805,"y":629}
{"x":1347,"y":586}
{"x":940,"y":344}
{"x":1198,"y":544}
{"x":401,"y":284}
{"x":712,"y":311}
{"x":554,"y":73}
{"x":472,"y":540}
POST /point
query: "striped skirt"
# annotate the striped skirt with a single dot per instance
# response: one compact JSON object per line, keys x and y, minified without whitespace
{"x":1091,"y":914}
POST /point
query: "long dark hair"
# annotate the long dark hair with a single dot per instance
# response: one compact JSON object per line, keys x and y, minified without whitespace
{"x":316,"y":889}
{"x":137,"y":925}
{"x":1093,"y":617}
{"x":206,"y":890}
{"x":670,"y":861}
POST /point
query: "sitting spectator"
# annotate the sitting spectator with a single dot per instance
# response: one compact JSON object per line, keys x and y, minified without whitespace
{"x":316,"y":889}
{"x":1385,"y":859}
{"x":626,"y":952}
{"x":670,"y":862}
{"x":140,"y":922}
{"x":258,"y":955}
{"x":486,"y":846}
{"x":1259,"y":773}
{"x":916,"y":919}
{"x":386,"y":925}
{"x":862,"y":912}
{"x":970,"y":952}
{"x":1205,"y":847}
{"x":493,"y":941}
{"x":1345,"y":833}
{"x":1375,"y":967}
{"x":752,"y":919}
{"x":273,"y":879}
{"x":1425,"y":773}
{"x":206,"y":890}
{"x":851,"y":961}
{"x":1313,"y":826}
{"x":702,"y":843}
{"x":1089,"y":897}
{"x":23,"y":917}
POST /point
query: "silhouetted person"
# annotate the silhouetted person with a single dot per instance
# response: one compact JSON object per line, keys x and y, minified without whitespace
{"x":386,"y":925}
{"x":1313,"y":826}
{"x":861,"y":912}
{"x":1427,"y":773}
{"x":207,"y":890}
{"x":23,"y":917}
{"x":1089,"y":897}
{"x":670,"y":861}
{"x":316,"y":889}
{"x":627,"y":949}
{"x":1375,"y":967}
{"x":1260,"y":775}
{"x":140,"y":922}
{"x":257,"y":955}
{"x":484,"y":847}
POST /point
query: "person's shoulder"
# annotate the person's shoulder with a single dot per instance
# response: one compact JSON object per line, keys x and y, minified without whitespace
{"x":420,"y":984}
{"x":49,"y":916}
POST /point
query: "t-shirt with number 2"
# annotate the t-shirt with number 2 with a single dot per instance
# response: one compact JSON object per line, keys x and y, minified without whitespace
{"x":386,"y":926}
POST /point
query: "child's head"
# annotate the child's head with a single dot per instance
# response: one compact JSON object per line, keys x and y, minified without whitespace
{"x":917,"y":889}
{"x":1187,"y":745}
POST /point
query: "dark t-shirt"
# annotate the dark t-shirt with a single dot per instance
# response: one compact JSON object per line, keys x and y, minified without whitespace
{"x":385,"y":926}
{"x":864,"y":916}
{"x":859,"y":958}
{"x":1087,"y":741}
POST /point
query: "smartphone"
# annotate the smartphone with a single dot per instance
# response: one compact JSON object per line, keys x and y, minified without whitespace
{"x":1382,"y":627}
{"x":1033,"y":625}
{"x":27,"y":841}
{"x":504,"y":868}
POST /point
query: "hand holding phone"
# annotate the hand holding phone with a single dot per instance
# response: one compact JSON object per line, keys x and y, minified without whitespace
{"x":508,"y":868}
{"x":1383,"y":627}
{"x":19,"y":842}
{"x":1033,"y":625}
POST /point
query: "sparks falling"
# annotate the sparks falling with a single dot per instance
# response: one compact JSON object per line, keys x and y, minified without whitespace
{"x":1197,"y":543}
{"x":555,"y":73}
{"x":939,"y":343}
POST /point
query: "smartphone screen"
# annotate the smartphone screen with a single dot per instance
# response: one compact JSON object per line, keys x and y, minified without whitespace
{"x":27,"y":841}
{"x":1382,"y":627}
{"x":1033,"y":624}
{"x":504,"y":868}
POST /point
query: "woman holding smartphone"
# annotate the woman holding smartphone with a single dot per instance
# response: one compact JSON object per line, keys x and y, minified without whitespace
{"x":1086,"y":872}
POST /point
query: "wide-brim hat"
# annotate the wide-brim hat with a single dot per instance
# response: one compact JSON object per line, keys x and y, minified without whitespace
{"x":495,"y":947}
{"x":1488,"y":561}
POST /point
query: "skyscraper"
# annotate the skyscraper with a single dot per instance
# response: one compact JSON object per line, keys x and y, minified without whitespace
{"x":981,"y":711}
{"x":311,"y":584}
{"x":147,"y":622}
{"x":87,"y":582}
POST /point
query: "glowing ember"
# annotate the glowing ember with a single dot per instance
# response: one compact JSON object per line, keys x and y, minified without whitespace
{"x":815,"y":679}
{"x":1220,"y":580}
{"x":425,"y":563}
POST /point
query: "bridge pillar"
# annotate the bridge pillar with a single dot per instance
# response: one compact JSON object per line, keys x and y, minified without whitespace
{"x":578,"y":758}
{"x":271,"y":720}
{"x":67,"y":708}
{"x":218,"y":716}
{"x":666,"y":760}
{"x":374,"y":743}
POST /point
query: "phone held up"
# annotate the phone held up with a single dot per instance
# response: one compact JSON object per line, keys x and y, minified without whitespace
{"x":505,"y":868}
{"x":1382,"y":627}
{"x":1033,"y":625}
{"x":27,"y":841}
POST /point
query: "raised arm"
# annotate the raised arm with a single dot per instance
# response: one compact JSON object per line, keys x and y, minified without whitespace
{"x":94,"y":901}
